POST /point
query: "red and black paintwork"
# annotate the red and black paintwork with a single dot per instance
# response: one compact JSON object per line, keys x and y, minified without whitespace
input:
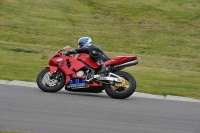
{"x":69,"y":65}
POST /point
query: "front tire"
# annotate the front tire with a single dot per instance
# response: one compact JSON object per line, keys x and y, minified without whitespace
{"x":47,"y":84}
{"x":121,"y":90}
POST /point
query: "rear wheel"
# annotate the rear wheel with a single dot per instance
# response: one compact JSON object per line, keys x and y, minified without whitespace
{"x":124,"y":89}
{"x":48,"y":83}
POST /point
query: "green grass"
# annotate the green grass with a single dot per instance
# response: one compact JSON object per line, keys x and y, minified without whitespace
{"x":163,"y":34}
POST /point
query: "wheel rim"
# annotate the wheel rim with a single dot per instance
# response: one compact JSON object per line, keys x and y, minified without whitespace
{"x":47,"y":81}
{"x":121,"y":87}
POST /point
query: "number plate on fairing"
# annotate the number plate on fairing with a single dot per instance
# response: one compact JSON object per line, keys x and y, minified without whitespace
{"x":77,"y":85}
{"x":74,"y":83}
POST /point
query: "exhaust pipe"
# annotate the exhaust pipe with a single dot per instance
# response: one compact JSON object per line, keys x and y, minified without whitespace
{"x":127,"y":64}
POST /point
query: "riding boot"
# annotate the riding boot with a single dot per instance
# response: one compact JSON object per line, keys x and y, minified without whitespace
{"x":89,"y":78}
{"x":103,"y":67}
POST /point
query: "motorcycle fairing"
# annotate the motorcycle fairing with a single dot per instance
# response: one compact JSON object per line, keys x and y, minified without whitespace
{"x":75,"y":65}
{"x":86,"y":58}
{"x":53,"y":68}
{"x":94,"y":84}
{"x":120,"y":59}
{"x":67,"y":64}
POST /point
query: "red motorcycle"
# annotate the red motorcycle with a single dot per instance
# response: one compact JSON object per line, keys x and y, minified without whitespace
{"x":74,"y":71}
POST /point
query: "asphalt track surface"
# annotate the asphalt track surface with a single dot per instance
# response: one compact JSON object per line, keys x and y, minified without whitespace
{"x":28,"y":109}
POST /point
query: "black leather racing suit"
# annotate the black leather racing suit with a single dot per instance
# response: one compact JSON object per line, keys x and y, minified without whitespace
{"x":96,"y":54}
{"x":94,"y":51}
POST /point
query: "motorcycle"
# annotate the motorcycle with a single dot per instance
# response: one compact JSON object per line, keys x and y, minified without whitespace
{"x":76,"y":71}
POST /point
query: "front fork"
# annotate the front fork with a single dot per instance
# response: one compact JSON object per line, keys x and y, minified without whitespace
{"x":54,"y":70}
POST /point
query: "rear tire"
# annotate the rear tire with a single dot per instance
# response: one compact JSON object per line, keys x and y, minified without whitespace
{"x":50,"y":85}
{"x":121,"y":93}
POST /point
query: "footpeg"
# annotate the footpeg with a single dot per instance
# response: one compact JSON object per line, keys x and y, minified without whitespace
{"x":89,"y":81}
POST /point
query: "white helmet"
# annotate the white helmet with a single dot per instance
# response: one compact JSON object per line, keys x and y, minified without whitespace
{"x":84,"y":41}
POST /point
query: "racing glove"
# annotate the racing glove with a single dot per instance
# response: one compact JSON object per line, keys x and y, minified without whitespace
{"x":71,"y":52}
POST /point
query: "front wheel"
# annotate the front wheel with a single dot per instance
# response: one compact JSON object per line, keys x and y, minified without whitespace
{"x":47,"y":83}
{"x":124,"y":89}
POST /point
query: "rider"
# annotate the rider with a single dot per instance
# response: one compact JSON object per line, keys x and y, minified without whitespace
{"x":86,"y":46}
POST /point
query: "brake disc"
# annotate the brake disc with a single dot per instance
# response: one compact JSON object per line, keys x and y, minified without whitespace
{"x":48,"y":81}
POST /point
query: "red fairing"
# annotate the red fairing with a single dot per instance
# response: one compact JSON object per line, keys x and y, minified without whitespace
{"x":86,"y":58}
{"x":62,"y":63}
{"x":52,"y":69}
{"x":120,"y":59}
